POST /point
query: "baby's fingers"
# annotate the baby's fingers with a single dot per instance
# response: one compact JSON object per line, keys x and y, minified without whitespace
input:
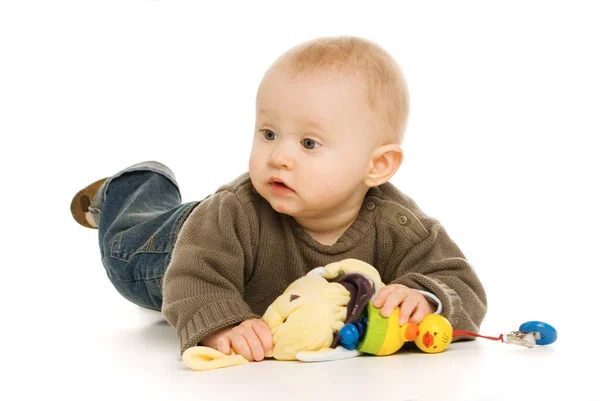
{"x":224,"y":344}
{"x":420,"y":312}
{"x":264,"y":335}
{"x":406,"y":309}
{"x":382,"y":296}
{"x":393,"y":300}
{"x":248,"y":330}
{"x":240,"y":345}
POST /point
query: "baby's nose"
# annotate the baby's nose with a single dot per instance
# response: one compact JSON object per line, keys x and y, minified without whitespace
{"x":281,"y":158}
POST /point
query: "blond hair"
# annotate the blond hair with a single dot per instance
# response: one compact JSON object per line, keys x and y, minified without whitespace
{"x":357,"y":57}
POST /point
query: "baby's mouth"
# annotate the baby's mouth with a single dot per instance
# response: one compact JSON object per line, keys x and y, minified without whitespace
{"x":278,"y":184}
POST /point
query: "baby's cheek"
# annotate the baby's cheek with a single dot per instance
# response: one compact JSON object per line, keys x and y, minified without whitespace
{"x":320,"y":186}
{"x":323,"y":193}
{"x":253,"y":167}
{"x":324,"y":178}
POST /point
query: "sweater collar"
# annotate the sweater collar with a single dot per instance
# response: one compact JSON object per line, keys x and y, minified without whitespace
{"x":353,"y":234}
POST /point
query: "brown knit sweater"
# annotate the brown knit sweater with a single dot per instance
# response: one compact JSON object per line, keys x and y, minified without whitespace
{"x":234,"y":255}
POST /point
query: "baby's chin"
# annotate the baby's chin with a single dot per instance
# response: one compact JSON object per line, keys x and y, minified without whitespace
{"x":284,"y":207}
{"x":292,"y":206}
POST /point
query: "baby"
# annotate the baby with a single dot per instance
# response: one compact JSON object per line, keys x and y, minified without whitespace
{"x":330,"y":118}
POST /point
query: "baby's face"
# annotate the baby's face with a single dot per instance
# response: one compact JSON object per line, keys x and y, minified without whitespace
{"x":315,"y":134}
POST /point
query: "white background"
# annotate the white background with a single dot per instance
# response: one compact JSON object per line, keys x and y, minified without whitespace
{"x":501,"y":148}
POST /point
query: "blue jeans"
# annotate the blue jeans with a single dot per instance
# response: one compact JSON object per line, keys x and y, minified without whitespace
{"x":139,"y":214}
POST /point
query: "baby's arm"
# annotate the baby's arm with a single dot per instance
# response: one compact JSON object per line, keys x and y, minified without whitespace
{"x":204,"y":283}
{"x":438,"y":266}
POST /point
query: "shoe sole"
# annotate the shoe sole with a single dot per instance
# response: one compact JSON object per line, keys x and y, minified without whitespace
{"x":82,"y":200}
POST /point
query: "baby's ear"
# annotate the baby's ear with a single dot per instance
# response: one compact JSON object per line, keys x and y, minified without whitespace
{"x":385,"y":161}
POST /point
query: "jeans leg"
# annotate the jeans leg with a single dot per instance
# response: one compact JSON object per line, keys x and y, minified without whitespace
{"x":139,"y":213}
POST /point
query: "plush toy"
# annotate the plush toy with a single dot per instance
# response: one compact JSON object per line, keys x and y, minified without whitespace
{"x":307,"y":319}
{"x":329,"y":315}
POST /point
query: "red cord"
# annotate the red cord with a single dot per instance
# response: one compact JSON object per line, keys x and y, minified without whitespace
{"x":457,"y":333}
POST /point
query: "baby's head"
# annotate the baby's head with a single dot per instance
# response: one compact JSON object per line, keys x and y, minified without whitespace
{"x":330,"y":117}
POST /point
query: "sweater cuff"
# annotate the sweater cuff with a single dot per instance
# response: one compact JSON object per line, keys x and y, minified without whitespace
{"x":433,"y":299}
{"x":212,"y":318}
{"x":451,"y":304}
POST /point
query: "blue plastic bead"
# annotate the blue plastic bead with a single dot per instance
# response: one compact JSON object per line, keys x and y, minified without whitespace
{"x":548,"y":333}
{"x":349,"y":336}
{"x":361,"y":326}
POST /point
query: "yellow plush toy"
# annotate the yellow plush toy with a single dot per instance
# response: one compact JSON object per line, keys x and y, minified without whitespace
{"x":306,"y":320}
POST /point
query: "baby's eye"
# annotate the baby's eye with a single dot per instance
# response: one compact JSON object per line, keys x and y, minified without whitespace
{"x":310,"y":143}
{"x":269,"y":135}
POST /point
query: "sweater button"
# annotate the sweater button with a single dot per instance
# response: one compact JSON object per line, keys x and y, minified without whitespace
{"x":370,"y":205}
{"x":402,"y":219}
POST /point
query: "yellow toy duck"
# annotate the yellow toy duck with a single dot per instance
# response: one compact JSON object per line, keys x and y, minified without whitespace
{"x":377,"y":335}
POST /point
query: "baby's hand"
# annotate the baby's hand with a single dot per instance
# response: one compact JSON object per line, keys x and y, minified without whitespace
{"x":414,"y":305}
{"x":251,"y":339}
